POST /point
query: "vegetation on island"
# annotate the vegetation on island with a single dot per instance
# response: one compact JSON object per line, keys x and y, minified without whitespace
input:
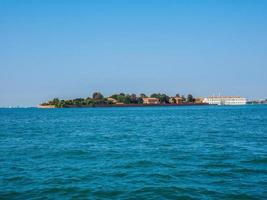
{"x":121,"y":98}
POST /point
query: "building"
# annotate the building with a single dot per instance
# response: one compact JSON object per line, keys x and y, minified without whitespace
{"x":112,"y":100}
{"x":178,"y":100}
{"x":172,"y":100}
{"x":151,"y":101}
{"x":225,"y":100}
{"x":199,"y":100}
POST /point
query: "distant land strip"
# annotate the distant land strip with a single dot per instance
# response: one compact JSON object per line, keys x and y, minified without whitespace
{"x":124,"y":100}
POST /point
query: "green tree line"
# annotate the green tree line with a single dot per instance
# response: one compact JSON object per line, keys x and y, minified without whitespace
{"x":98,"y":99}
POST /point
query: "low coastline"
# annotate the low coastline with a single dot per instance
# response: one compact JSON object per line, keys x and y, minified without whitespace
{"x":125,"y":105}
{"x":124,"y":100}
{"x":46,"y":106}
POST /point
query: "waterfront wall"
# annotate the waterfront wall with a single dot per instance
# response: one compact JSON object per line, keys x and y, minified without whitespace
{"x":139,"y":105}
{"x":46,"y":106}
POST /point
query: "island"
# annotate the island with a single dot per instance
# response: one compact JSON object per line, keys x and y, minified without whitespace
{"x":124,"y":100}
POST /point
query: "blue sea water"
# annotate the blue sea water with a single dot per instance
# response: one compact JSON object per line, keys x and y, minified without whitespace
{"x":195,"y":152}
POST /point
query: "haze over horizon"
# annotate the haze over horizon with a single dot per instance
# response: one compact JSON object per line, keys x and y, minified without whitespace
{"x":70,"y":49}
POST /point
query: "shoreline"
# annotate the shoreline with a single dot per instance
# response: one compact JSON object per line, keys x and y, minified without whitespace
{"x":125,"y":105}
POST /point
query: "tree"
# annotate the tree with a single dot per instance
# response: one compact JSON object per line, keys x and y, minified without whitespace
{"x":97,"y":95}
{"x":120,"y":98}
{"x":142,"y":95}
{"x":55,"y":101}
{"x":154,"y":95}
{"x":133,"y":98}
{"x":183,"y":98}
{"x":163,"y":98}
{"x":190,"y":98}
{"x":140,"y":100}
{"x":126,"y":99}
{"x":88,"y":101}
{"x":114,"y":96}
{"x":78,"y":101}
{"x":99,"y":102}
{"x":177,"y":95}
{"x":61,"y":104}
{"x":68,"y":102}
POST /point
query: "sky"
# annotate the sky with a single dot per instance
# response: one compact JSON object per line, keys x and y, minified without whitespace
{"x":69,"y":49}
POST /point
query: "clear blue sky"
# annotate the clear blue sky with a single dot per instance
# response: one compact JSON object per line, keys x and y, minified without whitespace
{"x":69,"y":49}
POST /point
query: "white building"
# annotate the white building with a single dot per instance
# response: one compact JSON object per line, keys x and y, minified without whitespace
{"x":226,"y":100}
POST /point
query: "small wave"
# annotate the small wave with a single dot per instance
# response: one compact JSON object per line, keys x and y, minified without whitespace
{"x":15,"y":178}
{"x":162,"y":176}
{"x":143,"y":164}
{"x":109,"y":194}
{"x":74,"y":153}
{"x":256,"y":161}
{"x":249,"y":170}
{"x":217,"y":174}
{"x":240,"y":196}
{"x":170,"y":192}
{"x":219,"y":165}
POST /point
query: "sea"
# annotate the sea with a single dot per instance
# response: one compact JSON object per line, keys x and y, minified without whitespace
{"x":190,"y":152}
